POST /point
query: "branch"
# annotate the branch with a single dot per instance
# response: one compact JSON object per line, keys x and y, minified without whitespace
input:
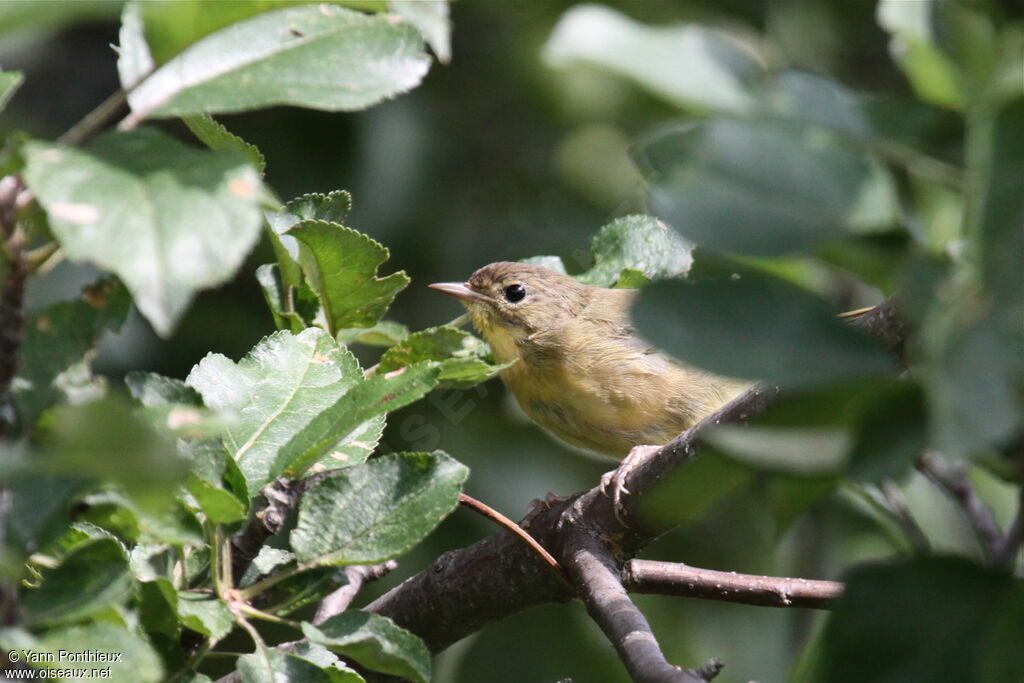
{"x":953,"y":479}
{"x":591,"y":567}
{"x":670,"y":578}
{"x":1006,"y":555}
{"x":13,"y":273}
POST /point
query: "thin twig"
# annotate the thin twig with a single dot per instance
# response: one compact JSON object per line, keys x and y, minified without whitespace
{"x":896,"y":506}
{"x":1006,"y":555}
{"x":671,"y":578}
{"x":495,"y":516}
{"x":953,"y":479}
{"x":94,"y":120}
{"x":591,"y":568}
{"x":357,"y":576}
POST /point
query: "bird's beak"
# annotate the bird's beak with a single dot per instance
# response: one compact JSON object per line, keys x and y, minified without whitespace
{"x":460,"y":290}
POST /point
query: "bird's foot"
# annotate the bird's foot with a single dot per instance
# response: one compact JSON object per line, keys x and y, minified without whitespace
{"x":616,"y":479}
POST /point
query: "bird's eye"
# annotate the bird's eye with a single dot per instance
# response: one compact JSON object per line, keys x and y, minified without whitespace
{"x":514,"y":293}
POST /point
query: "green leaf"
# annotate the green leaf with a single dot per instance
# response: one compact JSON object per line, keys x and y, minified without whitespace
{"x":134,"y":61}
{"x":332,"y":207}
{"x":375,"y":642}
{"x":109,"y":441}
{"x":933,"y":620}
{"x":321,"y":57}
{"x":293,"y":308}
{"x":553,"y":262}
{"x":151,"y":389}
{"x":168,"y":219}
{"x":384,"y":333}
{"x":130,"y":657}
{"x":59,"y":336}
{"x":216,"y":482}
{"x":719,"y":73}
{"x":200,"y":612}
{"x":341,"y":266}
{"x":639,"y":243}
{"x":757,"y":187}
{"x":802,"y":452}
{"x":755,"y":326}
{"x":38,"y":513}
{"x":90,"y":579}
{"x":271,"y":666}
{"x":431,"y":20}
{"x":377,"y":510}
{"x":214,"y":135}
{"x":9,"y":83}
{"x":277,"y":391}
{"x":891,"y":433}
{"x":460,"y":354}
{"x":346,"y":420}
{"x":267,"y":560}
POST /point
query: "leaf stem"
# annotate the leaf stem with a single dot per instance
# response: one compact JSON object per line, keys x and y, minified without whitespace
{"x":94,"y":120}
{"x":261,"y":586}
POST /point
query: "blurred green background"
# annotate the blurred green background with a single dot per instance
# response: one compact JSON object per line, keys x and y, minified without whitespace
{"x":500,"y":156}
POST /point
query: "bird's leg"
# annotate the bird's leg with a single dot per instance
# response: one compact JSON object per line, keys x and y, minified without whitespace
{"x":616,"y":479}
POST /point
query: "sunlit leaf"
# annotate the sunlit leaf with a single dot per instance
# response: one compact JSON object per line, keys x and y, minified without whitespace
{"x":214,"y":135}
{"x":639,"y":243}
{"x":375,"y":642}
{"x":134,"y":61}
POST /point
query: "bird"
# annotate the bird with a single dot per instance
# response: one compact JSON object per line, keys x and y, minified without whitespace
{"x":579,"y":369}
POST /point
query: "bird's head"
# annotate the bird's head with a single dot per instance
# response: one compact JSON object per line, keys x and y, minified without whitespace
{"x":509,"y":301}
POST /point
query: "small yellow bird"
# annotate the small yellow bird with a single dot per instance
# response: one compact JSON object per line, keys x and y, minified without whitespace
{"x":580,"y":371}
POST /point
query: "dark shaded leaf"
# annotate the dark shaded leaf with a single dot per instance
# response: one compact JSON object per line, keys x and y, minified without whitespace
{"x":375,"y":642}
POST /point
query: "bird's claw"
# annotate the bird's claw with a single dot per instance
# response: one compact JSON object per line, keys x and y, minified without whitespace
{"x":616,"y":479}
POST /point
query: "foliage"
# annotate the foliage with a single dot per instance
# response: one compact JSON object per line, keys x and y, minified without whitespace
{"x":766,"y":189}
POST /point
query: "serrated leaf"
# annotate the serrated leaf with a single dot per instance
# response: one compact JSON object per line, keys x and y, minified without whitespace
{"x":341,"y":265}
{"x":271,"y":666}
{"x":9,"y":83}
{"x":430,"y":18}
{"x":59,"y":336}
{"x":91,"y":578}
{"x":151,"y":389}
{"x":375,"y":642}
{"x":216,"y":482}
{"x":282,"y":386}
{"x":760,"y":187}
{"x":321,"y":57}
{"x":266,"y":561}
{"x":459,"y":353}
{"x":214,"y":135}
{"x":755,"y":326}
{"x":131,"y":657}
{"x":719,"y":74}
{"x":337,"y":426}
{"x":134,"y":60}
{"x":384,"y":333}
{"x":332,"y":207}
{"x":377,"y":510}
{"x":168,"y":219}
{"x":640,"y":243}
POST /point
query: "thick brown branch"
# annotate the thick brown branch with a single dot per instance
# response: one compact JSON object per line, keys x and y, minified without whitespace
{"x":591,"y":567}
{"x":670,"y":578}
{"x":953,"y":479}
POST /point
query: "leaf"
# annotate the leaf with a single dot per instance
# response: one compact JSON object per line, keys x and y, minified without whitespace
{"x":332,"y":207}
{"x":384,"y":333}
{"x":110,"y":442}
{"x":460,"y":354}
{"x":757,"y":187}
{"x":553,"y":262}
{"x":377,"y":510}
{"x":216,"y":483}
{"x":168,"y":219}
{"x":891,"y":432}
{"x":214,"y":135}
{"x":341,"y":265}
{"x":929,"y":620}
{"x":341,"y":424}
{"x":10,"y":81}
{"x":802,"y":452}
{"x":202,"y":613}
{"x":134,"y":61}
{"x":151,"y":389}
{"x":277,"y":391}
{"x":719,"y":74}
{"x":755,"y":326}
{"x":320,"y":57}
{"x":640,"y":243}
{"x":375,"y":642}
{"x":271,"y":666}
{"x":430,"y":18}
{"x":91,"y":578}
{"x":293,"y":308}
{"x":130,"y":657}
{"x":59,"y":336}
{"x":267,"y":560}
